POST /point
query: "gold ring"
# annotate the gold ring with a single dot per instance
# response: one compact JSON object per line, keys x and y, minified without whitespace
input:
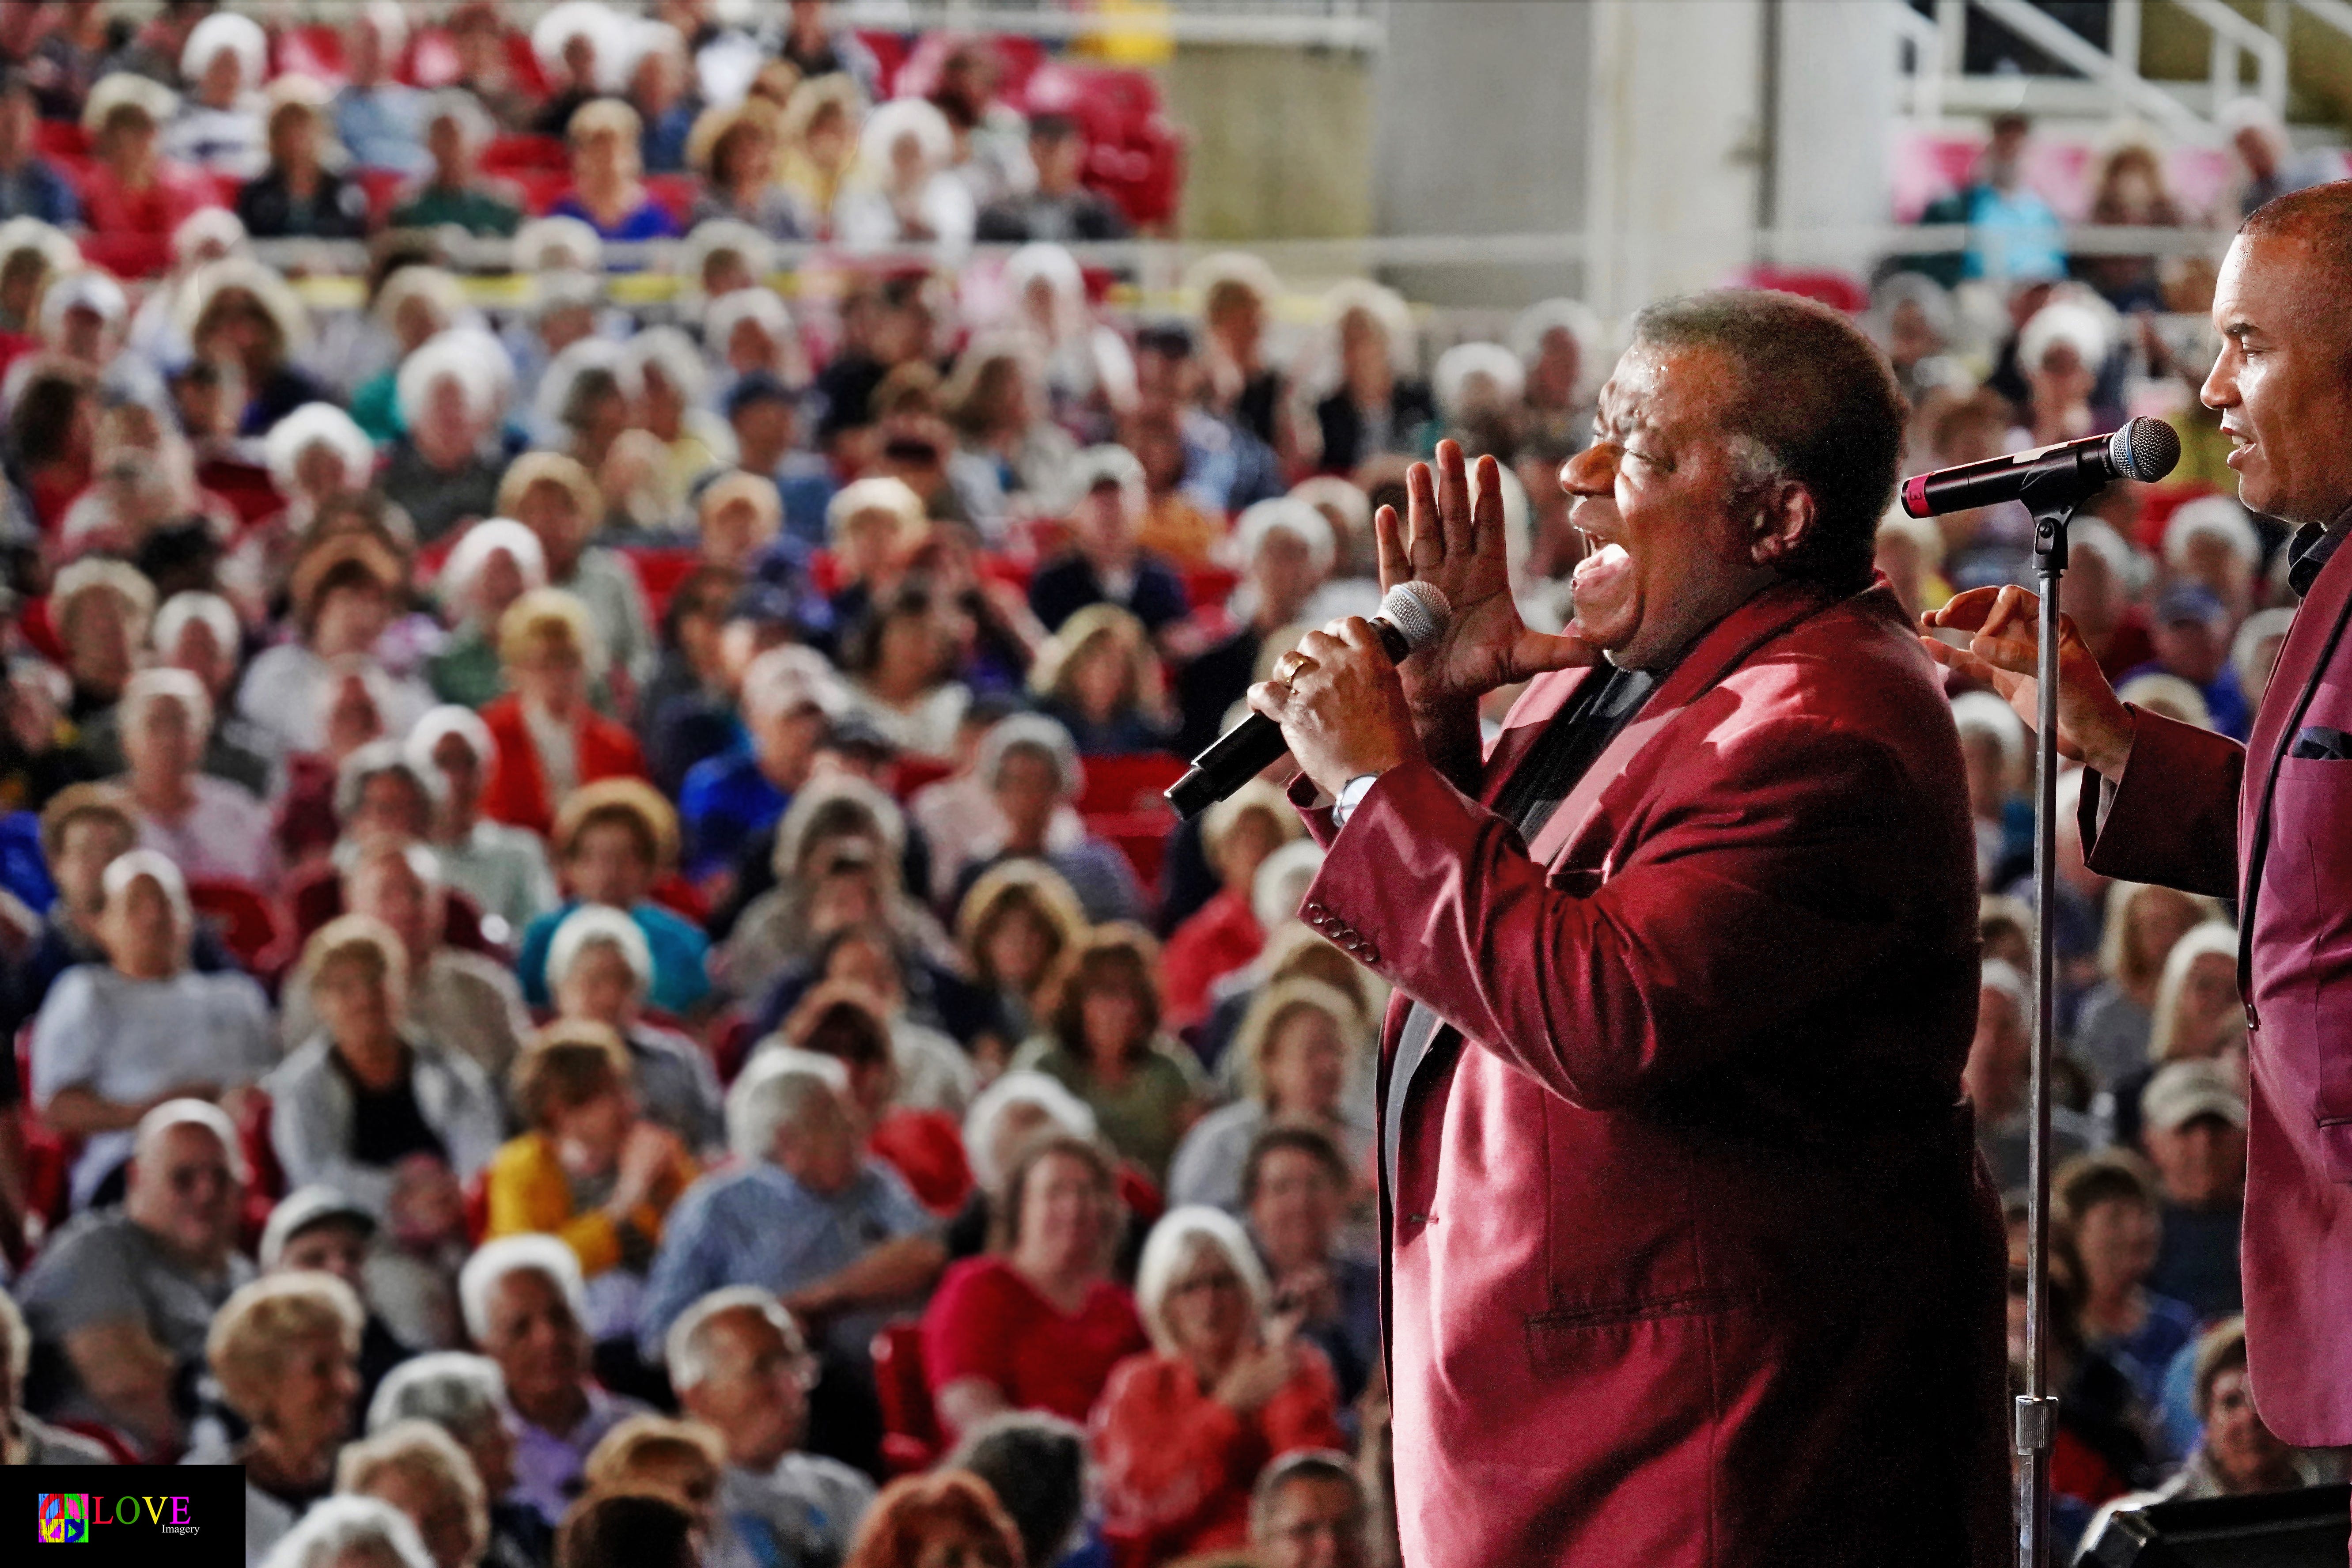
{"x":1297,"y":662}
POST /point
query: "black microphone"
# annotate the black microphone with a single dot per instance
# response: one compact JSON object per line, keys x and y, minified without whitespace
{"x":2145,"y":449}
{"x":1411,"y":616}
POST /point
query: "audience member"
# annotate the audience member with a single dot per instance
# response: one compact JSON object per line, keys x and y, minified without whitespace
{"x":419,"y":1470}
{"x":1031,"y":768}
{"x":614,"y":842}
{"x":121,"y":1299}
{"x":1309,"y":1511}
{"x":1102,"y":1042}
{"x":1035,"y":1465}
{"x":1295,"y":1190}
{"x":284,"y":1351}
{"x":2194,"y":1123}
{"x":1228,"y":1385}
{"x":1039,"y":1322}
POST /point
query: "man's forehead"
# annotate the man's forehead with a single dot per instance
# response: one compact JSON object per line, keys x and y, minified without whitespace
{"x":1664,"y":382}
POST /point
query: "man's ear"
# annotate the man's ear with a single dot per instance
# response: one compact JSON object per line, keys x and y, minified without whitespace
{"x":1782,"y":522}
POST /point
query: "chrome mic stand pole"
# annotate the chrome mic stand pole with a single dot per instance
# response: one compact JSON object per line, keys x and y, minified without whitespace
{"x":2036,"y":1413}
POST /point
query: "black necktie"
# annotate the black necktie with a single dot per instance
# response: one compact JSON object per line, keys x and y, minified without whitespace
{"x":2307,"y":554}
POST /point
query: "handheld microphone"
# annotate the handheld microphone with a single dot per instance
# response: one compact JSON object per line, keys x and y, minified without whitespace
{"x":2145,"y":449}
{"x":1411,"y":616}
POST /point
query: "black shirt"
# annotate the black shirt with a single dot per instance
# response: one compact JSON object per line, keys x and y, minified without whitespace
{"x":387,"y":1124}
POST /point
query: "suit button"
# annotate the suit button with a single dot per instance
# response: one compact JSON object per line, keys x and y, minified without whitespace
{"x":1315,"y":913}
{"x":1368,"y":954}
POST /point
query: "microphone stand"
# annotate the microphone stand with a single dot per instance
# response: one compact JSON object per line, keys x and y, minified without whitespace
{"x":2052,"y":501}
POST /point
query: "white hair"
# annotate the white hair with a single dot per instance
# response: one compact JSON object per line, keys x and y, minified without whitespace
{"x":1288,"y":514}
{"x":2000,"y":974}
{"x":371,"y":675}
{"x":158,"y":868}
{"x":1282,"y":880}
{"x":318,"y":424}
{"x":375,"y":759}
{"x":192,"y":1112}
{"x":538,"y":242}
{"x":1982,"y":713}
{"x":774,"y":1091}
{"x":686,"y":1354}
{"x":444,"y":721}
{"x":881,"y":493}
{"x":1242,"y":267}
{"x":1457,"y":365}
{"x":166,"y":683}
{"x":808,"y":802}
{"x":1179,"y":1237}
{"x":587,"y":927}
{"x":1384,"y":306}
{"x":89,"y":289}
{"x":2247,"y":646}
{"x":337,"y":1528}
{"x":231,"y":31}
{"x":905,"y":117}
{"x":784,"y":679}
{"x":563,"y":374}
{"x":93,"y":571}
{"x":729,"y":310}
{"x":471,"y":555}
{"x":673,"y":354}
{"x":1040,"y":261}
{"x":1103,"y":465}
{"x":217,"y":226}
{"x":433,"y":286}
{"x":532,"y":1252}
{"x":455,"y":1390}
{"x":2064,"y":321}
{"x":1540,"y":320}
{"x":2209,"y":517}
{"x":608,"y":31}
{"x":455,"y":353}
{"x":1033,"y":731}
{"x":2099,"y":537}
{"x":1022,"y":1085}
{"x":713,"y":235}
{"x":474,"y":122}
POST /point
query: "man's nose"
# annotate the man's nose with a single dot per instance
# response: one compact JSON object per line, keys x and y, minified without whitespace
{"x":2221,"y":388}
{"x":1593,"y":472}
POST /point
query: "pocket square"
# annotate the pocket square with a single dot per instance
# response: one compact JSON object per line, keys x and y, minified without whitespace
{"x":2317,"y":741}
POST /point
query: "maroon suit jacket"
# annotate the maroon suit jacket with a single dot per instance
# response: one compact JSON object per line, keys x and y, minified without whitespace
{"x":1690,"y":1256}
{"x":2179,"y":815}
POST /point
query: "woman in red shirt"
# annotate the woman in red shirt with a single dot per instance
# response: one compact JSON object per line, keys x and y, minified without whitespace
{"x":1184,"y":1430}
{"x":131,"y":198}
{"x":548,"y":740}
{"x":1038,"y":1323}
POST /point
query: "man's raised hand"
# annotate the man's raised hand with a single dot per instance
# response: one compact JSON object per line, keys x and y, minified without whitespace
{"x":1456,"y":542}
{"x":2094,"y":726}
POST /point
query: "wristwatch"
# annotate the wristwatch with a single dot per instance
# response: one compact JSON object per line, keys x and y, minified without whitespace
{"x":1351,"y":794}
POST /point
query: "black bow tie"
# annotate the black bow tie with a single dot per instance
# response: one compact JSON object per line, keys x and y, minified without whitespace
{"x":2306,"y":552}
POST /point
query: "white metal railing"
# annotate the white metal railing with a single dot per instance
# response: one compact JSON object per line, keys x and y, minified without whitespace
{"x":2107,"y":82}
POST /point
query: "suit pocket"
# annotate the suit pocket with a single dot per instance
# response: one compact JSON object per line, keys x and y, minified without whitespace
{"x":1584,"y":1339}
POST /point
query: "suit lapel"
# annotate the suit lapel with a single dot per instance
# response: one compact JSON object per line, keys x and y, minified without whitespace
{"x":2299,"y":660}
{"x":1717,"y":654}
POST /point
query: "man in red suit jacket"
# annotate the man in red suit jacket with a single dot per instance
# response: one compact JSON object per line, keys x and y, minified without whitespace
{"x":1690,"y":1258}
{"x":2269,"y":823}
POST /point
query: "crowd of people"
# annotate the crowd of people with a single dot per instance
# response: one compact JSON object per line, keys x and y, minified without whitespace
{"x":596,"y":968}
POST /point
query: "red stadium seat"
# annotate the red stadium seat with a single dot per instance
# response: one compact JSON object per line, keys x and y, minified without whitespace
{"x":382,"y":187}
{"x":659,"y":572}
{"x":247,"y":920}
{"x":908,"y":775}
{"x":314,"y":51}
{"x":675,"y":193}
{"x":1128,"y":784}
{"x":911,"y":1438}
{"x":266,"y":1178}
{"x":1140,"y":835}
{"x":60,"y":139}
{"x":540,"y":188}
{"x":890,"y":52}
{"x":519,"y":153}
{"x":248,"y":488}
{"x":1210,"y":585}
{"x":478,"y":1207}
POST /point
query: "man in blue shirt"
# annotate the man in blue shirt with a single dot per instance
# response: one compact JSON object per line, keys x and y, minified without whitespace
{"x":803,"y":1213}
{"x":380,"y":122}
{"x":790,"y":696}
{"x":30,"y":186}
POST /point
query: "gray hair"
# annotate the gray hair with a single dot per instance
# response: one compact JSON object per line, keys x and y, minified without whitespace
{"x":684,"y":1349}
{"x":1180,"y":1234}
{"x":532,"y":1253}
{"x":1304,"y":1465}
{"x":777,"y":1088}
{"x":373,"y":761}
{"x":458,"y":1391}
{"x":341,"y":1527}
{"x":1037,"y":734}
{"x":1818,"y":406}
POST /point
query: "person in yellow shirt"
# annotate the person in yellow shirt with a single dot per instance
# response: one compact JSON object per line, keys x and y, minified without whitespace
{"x":591,"y":1171}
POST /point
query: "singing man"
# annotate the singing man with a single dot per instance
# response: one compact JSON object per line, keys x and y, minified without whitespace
{"x":1689,"y":1255}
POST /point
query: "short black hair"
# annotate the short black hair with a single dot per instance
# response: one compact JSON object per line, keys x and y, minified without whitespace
{"x":1311,"y":1141}
{"x":1821,"y":400}
{"x":1036,"y":1465}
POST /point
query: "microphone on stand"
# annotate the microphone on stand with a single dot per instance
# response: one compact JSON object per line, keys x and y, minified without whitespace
{"x":1411,"y":616}
{"x":2145,"y":449}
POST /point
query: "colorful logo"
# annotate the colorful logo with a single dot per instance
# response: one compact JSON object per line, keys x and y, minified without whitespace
{"x":65,"y":1518}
